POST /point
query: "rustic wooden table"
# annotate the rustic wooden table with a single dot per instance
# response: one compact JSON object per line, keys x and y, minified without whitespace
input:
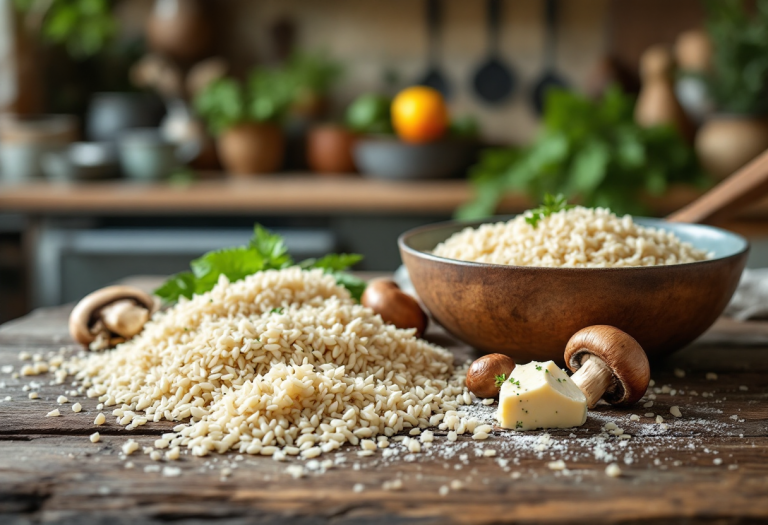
{"x":709,"y":465}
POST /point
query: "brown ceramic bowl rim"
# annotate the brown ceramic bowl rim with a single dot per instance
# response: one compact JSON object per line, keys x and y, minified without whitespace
{"x":405,"y":237}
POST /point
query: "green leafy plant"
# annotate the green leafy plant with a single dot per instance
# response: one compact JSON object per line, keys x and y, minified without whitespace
{"x":739,"y":79}
{"x":265,"y":251}
{"x":84,"y":27}
{"x":226,"y":102}
{"x":588,"y":150}
{"x":312,"y":72}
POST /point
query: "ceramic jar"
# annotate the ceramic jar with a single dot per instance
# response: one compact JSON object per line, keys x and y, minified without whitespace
{"x":726,"y":142}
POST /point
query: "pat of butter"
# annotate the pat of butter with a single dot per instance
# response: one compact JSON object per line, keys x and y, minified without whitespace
{"x":540,"y":395}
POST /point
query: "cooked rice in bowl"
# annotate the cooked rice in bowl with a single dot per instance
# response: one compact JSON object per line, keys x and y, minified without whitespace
{"x":575,"y":238}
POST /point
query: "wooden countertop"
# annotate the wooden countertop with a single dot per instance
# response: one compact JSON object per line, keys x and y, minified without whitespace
{"x":712,"y":463}
{"x":278,"y":194}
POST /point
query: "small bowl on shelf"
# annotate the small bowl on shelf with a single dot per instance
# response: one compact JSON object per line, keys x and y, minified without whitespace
{"x":82,"y":161}
{"x":390,"y":158}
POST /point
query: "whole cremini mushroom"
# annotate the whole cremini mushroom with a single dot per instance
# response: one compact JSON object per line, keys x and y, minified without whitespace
{"x":109,"y":316}
{"x":608,"y":364}
{"x":396,"y":307}
{"x":486,"y":374}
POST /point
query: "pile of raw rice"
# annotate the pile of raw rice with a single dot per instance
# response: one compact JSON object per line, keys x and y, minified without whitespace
{"x":279,"y":361}
{"x":577,"y":237}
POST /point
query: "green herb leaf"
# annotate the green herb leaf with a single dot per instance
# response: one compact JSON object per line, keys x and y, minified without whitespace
{"x":355,"y":285}
{"x":500,"y":380}
{"x":265,"y":251}
{"x":279,"y":310}
{"x":551,"y":204}
{"x":333,"y":262}
{"x":177,"y":286}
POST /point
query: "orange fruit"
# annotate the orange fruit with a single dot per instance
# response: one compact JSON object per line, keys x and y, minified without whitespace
{"x":419,"y":114}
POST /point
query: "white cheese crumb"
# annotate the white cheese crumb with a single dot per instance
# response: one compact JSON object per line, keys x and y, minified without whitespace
{"x":393,"y":485}
{"x":613,"y":470}
{"x":679,"y":373}
{"x":173,"y":454}
{"x":717,"y":461}
{"x":556,"y":465}
{"x":649,"y":414}
{"x":444,"y":490}
{"x":155,"y":455}
{"x":296,"y":471}
{"x":34,"y":395}
{"x":489,"y":453}
{"x":367,"y":444}
{"x":95,"y":437}
{"x":456,"y":485}
{"x":488,"y":401}
{"x":659,"y":419}
{"x":675,"y":411}
{"x":77,"y":407}
{"x":62,"y":399}
{"x":358,"y":487}
{"x":427,"y":436}
{"x":634,"y":417}
{"x":100,"y":419}
{"x":452,"y":436}
{"x":649,"y":404}
{"x":171,"y":472}
{"x":711,"y":376}
{"x":652,"y":383}
{"x":129,"y":464}
{"x":53,"y":413}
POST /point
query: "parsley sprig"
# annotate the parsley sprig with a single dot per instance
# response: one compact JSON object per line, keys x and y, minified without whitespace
{"x":551,"y":204}
{"x":500,"y":380}
{"x":265,"y":251}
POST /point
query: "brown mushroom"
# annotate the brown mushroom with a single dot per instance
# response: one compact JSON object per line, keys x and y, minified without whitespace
{"x":109,"y":316}
{"x":486,"y":374}
{"x":609,"y":364}
{"x":396,"y":307}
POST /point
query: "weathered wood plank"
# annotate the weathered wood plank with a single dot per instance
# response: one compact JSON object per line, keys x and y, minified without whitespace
{"x":711,"y":464}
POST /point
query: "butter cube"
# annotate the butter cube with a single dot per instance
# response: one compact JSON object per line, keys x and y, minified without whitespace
{"x":540,"y":395}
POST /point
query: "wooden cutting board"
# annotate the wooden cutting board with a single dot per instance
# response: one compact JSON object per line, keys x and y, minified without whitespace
{"x":710,"y":464}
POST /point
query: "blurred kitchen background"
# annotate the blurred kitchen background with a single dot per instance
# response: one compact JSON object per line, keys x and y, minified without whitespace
{"x":136,"y":135}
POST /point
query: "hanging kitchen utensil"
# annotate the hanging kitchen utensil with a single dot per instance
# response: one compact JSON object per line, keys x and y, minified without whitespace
{"x":494,"y":82}
{"x":549,"y":78}
{"x":434,"y":77}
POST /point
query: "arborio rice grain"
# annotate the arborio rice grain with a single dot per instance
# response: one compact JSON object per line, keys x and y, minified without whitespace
{"x":578,"y":237}
{"x":321,"y":372}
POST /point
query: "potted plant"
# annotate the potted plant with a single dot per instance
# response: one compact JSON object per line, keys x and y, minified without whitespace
{"x":738,"y":84}
{"x":244,"y":118}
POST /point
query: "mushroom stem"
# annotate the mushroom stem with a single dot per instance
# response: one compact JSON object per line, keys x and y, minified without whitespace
{"x":124,"y":318}
{"x":593,"y":378}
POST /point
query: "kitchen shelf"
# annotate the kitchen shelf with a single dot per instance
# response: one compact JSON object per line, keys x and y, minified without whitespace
{"x":284,"y":194}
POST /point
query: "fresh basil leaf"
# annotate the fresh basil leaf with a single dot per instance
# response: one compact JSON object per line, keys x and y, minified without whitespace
{"x":333,"y":262}
{"x":355,"y":285}
{"x":271,"y":247}
{"x":177,"y":286}
{"x":235,"y":263}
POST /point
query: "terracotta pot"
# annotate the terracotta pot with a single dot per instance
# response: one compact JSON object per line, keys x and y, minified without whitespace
{"x":329,"y":150}
{"x":252,"y":148}
{"x":727,"y":142}
{"x":179,"y":29}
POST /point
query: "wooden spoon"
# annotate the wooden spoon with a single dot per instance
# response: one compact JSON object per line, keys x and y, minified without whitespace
{"x":744,"y":187}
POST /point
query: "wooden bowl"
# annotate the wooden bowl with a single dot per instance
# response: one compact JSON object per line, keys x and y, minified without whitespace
{"x":529,"y":313}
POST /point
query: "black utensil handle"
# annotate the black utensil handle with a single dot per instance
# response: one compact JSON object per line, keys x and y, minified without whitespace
{"x":551,"y":14}
{"x":434,"y":21}
{"x":494,"y":24}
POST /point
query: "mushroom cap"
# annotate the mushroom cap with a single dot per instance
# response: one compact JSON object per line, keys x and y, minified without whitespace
{"x":83,"y":315}
{"x":621,"y":354}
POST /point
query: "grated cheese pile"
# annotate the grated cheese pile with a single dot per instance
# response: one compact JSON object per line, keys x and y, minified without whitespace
{"x":279,"y":361}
